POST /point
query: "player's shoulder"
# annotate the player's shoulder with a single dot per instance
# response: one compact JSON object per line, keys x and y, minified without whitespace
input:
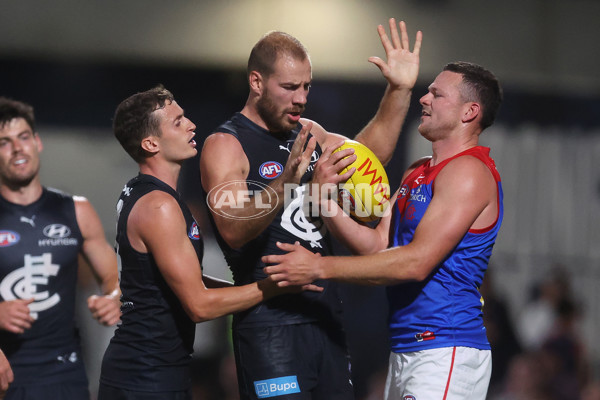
{"x":156,"y":206}
{"x":468,"y":174}
{"x":415,"y":165}
{"x":218,"y":141}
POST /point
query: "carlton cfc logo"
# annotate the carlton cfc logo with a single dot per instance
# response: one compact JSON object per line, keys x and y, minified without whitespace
{"x":270,"y":170}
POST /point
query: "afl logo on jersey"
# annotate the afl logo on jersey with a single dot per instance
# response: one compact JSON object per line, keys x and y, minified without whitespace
{"x":8,"y":238}
{"x":57,"y":231}
{"x":270,"y":170}
{"x":194,"y":232}
{"x":403,"y":191}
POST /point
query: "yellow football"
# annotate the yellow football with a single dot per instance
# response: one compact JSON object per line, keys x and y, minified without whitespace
{"x":366,"y":194}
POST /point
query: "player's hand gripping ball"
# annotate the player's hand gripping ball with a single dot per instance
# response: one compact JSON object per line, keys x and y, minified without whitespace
{"x":366,"y":195}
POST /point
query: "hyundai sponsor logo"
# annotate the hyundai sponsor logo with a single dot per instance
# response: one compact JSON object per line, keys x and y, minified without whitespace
{"x":57,"y":231}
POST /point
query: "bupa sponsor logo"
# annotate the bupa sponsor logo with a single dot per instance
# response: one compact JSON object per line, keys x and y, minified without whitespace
{"x":276,"y":387}
{"x":194,"y":232}
{"x":270,"y":169}
{"x":409,"y":397}
{"x":228,"y":198}
{"x":58,"y":235}
{"x":8,"y":238}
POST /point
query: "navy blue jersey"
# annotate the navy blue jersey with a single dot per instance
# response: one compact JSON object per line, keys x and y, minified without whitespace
{"x":151,"y":349}
{"x":39,"y":247}
{"x":267,"y":154}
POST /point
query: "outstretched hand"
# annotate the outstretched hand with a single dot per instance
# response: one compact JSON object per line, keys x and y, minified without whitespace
{"x":402,"y":66}
{"x":297,"y":267}
{"x":299,"y":158}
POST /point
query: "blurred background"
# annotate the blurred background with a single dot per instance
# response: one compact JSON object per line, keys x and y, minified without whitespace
{"x":74,"y":61}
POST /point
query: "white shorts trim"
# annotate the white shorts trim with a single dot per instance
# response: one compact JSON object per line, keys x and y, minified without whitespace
{"x":448,"y":373}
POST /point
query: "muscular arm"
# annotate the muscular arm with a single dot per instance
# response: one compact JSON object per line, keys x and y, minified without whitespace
{"x":242,"y":221}
{"x":102,"y":259}
{"x":465,"y":198}
{"x":156,"y":225}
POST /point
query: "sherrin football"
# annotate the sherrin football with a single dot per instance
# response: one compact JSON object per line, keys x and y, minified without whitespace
{"x":366,"y":194}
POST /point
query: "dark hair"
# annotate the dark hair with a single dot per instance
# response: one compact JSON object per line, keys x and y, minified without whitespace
{"x":135,"y":120}
{"x":11,"y":109}
{"x":270,"y":47}
{"x":481,"y":86}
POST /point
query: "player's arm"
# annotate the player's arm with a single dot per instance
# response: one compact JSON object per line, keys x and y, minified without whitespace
{"x":222,"y":161}
{"x":102,"y":260}
{"x":465,"y":198}
{"x":156,"y":225}
{"x":6,"y":374}
{"x":358,"y":237}
{"x":400,"y":70}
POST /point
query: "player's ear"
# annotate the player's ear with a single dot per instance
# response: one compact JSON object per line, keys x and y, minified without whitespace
{"x":150,"y":144}
{"x":471,"y":112}
{"x":38,"y":141}
{"x":255,"y":80}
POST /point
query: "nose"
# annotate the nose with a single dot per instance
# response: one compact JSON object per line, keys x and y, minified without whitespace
{"x":192,"y":126}
{"x":425,"y":99}
{"x":300,"y":96}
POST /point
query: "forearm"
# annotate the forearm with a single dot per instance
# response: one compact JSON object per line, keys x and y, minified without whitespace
{"x":222,"y":301}
{"x":387,"y":267}
{"x":382,"y":132}
{"x":244,"y":220}
{"x":359,"y":239}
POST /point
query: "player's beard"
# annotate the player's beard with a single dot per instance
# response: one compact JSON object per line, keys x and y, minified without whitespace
{"x":274,"y":118}
{"x":16,"y":181}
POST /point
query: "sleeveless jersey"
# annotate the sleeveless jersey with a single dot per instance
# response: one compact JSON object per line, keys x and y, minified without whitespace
{"x":267,"y":154}
{"x":445,"y":309}
{"x":39,"y":247}
{"x":152,"y":346}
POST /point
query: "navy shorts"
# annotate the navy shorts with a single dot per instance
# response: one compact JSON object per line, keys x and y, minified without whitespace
{"x":107,"y":392}
{"x":300,"y":361}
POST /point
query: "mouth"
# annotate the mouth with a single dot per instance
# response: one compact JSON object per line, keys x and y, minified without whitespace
{"x":294,"y":115}
{"x":192,"y":142}
{"x":19,"y":161}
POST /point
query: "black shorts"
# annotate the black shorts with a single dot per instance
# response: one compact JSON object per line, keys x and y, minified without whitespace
{"x":301,"y":361}
{"x":106,"y":392}
{"x":58,"y":391}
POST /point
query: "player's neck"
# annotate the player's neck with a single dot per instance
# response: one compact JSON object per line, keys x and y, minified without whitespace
{"x":168,"y":173}
{"x":449,"y":147}
{"x":23,"y":195}
{"x":252,"y":115}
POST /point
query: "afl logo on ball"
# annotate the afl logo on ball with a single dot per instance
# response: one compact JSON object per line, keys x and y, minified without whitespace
{"x":270,"y":170}
{"x":8,"y":238}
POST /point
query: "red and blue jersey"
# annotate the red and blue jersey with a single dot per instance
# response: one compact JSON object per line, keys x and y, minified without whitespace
{"x":445,"y":309}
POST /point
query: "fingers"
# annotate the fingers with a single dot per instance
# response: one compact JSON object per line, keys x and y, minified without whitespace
{"x":105,"y":309}
{"x":418,"y":41}
{"x":311,"y":288}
